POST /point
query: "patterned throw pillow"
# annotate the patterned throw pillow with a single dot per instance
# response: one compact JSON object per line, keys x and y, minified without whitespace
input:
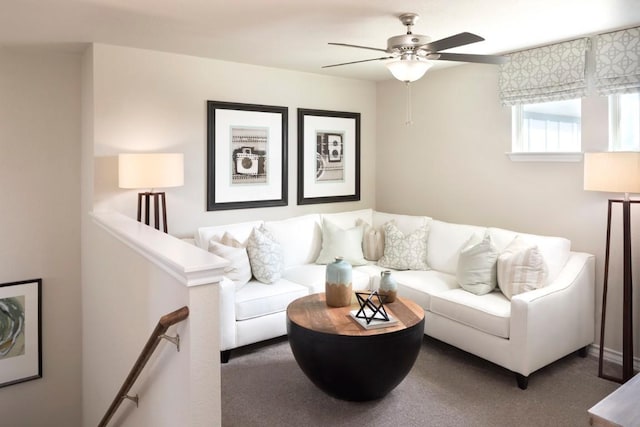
{"x":477,"y":263}
{"x":239,"y":269}
{"x":372,"y":241}
{"x":521,"y":268}
{"x":404,"y":252}
{"x":265,"y":256}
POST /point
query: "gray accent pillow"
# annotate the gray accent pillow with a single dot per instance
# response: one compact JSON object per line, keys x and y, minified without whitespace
{"x":477,"y":266}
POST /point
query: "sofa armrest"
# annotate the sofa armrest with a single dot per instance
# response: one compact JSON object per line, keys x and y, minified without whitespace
{"x":551,"y":322}
{"x":228,"y":336}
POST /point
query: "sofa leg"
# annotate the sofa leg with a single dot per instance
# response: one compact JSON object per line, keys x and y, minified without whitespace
{"x":224,"y":356}
{"x":522,"y":381}
{"x":584,"y":351}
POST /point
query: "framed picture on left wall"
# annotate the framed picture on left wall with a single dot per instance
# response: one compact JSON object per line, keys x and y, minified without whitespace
{"x":20,"y":331}
{"x":246,"y":155}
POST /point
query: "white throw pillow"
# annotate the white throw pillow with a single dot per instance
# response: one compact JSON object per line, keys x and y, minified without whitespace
{"x":338,"y":242}
{"x":265,"y":256}
{"x":372,"y":241}
{"x":477,"y":263}
{"x":404,"y":252}
{"x":521,"y":268}
{"x":239,"y":269}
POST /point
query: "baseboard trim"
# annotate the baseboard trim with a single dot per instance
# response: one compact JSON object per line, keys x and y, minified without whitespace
{"x":612,"y":356}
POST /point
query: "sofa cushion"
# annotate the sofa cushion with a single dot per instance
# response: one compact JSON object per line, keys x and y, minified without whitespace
{"x":239,"y":269}
{"x":420,"y":285}
{"x":338,"y":242}
{"x":446,"y":240}
{"x":239,"y":231}
{"x":521,"y":268}
{"x":404,"y":252}
{"x":265,"y":255}
{"x":349,"y":219}
{"x":313,"y":276}
{"x":405,"y":223}
{"x":256,"y":299}
{"x":476,"y":270}
{"x":554,"y":250}
{"x":300,"y":238}
{"x":372,"y":241}
{"x":490,"y":313}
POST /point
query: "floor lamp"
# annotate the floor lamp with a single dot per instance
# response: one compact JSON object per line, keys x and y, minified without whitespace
{"x":151,"y":170}
{"x":616,"y":172}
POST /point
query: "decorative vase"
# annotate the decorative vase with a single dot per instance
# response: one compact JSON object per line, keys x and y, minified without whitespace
{"x":338,"y":283}
{"x":388,"y":288}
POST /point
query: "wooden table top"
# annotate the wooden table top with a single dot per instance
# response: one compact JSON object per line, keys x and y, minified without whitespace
{"x":312,"y":312}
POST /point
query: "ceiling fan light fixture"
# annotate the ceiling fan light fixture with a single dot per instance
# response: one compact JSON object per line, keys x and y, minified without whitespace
{"x":408,"y":70}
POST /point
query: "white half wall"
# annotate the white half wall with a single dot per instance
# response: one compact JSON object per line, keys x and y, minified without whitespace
{"x":149,"y":101}
{"x":132,"y":277}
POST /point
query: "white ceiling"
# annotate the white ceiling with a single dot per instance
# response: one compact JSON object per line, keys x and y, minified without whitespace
{"x":293,"y":34}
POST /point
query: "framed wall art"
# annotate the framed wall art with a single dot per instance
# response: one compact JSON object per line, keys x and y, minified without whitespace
{"x":20,"y":331}
{"x":328,"y":156}
{"x":246,"y":156}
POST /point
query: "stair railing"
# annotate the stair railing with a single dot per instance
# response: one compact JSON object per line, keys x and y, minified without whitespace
{"x":158,"y":333}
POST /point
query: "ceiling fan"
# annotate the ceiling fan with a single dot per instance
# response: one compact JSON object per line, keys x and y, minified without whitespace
{"x":410,"y":55}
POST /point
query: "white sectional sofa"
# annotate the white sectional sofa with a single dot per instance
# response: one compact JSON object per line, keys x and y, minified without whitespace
{"x":524,"y":333}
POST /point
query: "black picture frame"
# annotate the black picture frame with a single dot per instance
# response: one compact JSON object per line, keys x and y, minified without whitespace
{"x":328,"y":156}
{"x":20,"y":331}
{"x":247,"y":156}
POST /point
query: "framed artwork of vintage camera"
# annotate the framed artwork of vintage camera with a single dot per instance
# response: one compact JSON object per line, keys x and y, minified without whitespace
{"x":328,"y":156}
{"x":246,"y":156}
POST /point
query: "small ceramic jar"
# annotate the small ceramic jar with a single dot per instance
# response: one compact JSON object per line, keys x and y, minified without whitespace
{"x":388,"y":288}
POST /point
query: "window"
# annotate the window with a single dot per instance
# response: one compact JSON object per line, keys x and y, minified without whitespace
{"x":547,"y":127}
{"x":624,"y":122}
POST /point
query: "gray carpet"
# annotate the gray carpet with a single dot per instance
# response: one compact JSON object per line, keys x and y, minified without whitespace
{"x":263,"y":386}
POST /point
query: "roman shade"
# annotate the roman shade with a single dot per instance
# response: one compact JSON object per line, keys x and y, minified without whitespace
{"x":617,"y":56}
{"x":548,"y":73}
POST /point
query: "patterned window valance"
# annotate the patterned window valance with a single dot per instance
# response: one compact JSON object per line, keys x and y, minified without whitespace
{"x":618,"y":62}
{"x":548,"y":73}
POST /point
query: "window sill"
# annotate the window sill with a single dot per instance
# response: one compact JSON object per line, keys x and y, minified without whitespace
{"x":545,"y":157}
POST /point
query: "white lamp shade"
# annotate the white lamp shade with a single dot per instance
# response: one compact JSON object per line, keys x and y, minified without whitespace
{"x":614,"y":172}
{"x":151,"y":170}
{"x":408,"y":70}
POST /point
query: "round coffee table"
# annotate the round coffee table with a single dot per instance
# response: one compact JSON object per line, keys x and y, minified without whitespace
{"x":346,"y":360}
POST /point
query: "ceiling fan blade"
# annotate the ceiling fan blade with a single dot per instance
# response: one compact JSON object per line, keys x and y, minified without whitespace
{"x":356,"y":62}
{"x":359,"y":47}
{"x":467,"y":57}
{"x":460,"y":39}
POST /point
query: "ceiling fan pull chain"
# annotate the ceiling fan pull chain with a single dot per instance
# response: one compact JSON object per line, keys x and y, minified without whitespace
{"x":409,"y":120}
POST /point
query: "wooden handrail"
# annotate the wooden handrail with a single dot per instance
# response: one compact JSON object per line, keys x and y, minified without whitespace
{"x":164,"y":323}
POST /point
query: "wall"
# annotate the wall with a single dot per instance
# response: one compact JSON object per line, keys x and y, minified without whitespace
{"x":40,"y":199}
{"x":451,"y":165}
{"x":154,"y":101}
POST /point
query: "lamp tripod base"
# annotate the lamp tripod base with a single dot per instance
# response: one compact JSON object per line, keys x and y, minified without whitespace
{"x":159,"y":202}
{"x":627,"y":295}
